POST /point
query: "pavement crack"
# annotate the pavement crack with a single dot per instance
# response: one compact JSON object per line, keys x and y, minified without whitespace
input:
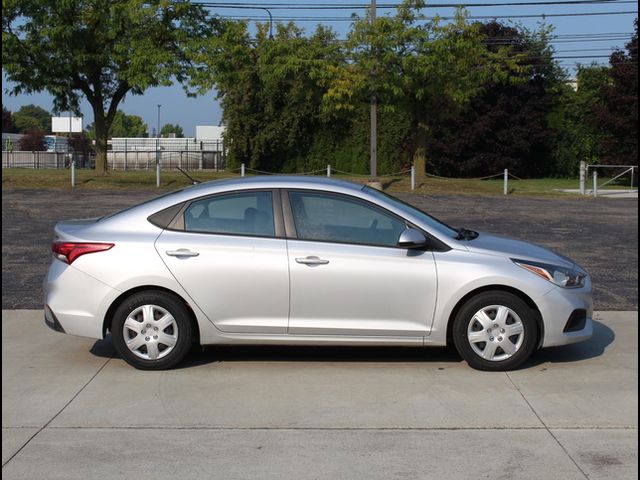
{"x":59,"y":412}
{"x":546,"y":427}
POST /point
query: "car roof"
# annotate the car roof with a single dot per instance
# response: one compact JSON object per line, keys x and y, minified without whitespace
{"x":278,"y":181}
{"x":234,"y":184}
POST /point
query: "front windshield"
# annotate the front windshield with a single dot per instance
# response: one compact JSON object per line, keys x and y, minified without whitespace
{"x":410,"y":209}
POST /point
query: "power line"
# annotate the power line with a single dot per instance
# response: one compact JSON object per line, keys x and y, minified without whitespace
{"x":359,"y":6}
{"x":471,"y":17}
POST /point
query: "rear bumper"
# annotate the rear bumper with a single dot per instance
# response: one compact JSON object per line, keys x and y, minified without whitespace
{"x":557,"y":307}
{"x":75,"y":303}
{"x":51,"y":320}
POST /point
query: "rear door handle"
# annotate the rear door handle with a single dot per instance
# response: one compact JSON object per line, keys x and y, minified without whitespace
{"x":312,"y":261}
{"x":182,"y":252}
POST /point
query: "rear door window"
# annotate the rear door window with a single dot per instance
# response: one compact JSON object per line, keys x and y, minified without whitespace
{"x":242,"y":213}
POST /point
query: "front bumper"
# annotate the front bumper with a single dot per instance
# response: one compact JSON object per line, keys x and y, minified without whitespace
{"x":557,"y":307}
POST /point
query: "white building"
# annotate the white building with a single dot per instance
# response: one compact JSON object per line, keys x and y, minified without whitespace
{"x":208,"y":138}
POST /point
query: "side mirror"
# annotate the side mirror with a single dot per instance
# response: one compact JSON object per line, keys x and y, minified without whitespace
{"x":412,"y":238}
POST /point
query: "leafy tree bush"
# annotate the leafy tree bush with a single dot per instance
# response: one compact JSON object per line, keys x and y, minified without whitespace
{"x":123,"y":125}
{"x":33,"y":140}
{"x":575,"y":138}
{"x":168,"y":129}
{"x":616,"y":116}
{"x":271,"y":90}
{"x":29,"y":117}
{"x":8,"y":125}
{"x":505,"y":125}
{"x":101,"y":50}
{"x":79,"y":142}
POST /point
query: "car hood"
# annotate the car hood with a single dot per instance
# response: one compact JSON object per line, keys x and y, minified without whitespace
{"x":489,"y":244}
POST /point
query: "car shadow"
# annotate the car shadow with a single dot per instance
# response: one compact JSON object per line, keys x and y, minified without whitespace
{"x":320,"y":354}
{"x":594,"y":347}
{"x":602,"y":337}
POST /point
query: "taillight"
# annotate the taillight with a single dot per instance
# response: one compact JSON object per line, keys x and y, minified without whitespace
{"x":69,"y":251}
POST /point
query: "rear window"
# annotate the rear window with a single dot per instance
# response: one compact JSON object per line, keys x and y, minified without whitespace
{"x":118,"y":212}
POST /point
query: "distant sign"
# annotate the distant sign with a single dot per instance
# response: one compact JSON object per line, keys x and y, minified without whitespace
{"x":209,"y":132}
{"x":62,"y":124}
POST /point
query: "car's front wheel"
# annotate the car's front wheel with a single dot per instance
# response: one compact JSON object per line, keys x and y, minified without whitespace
{"x":495,"y":331}
{"x":152,"y":330}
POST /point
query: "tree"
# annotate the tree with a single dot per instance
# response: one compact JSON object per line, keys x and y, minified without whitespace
{"x":33,"y":140}
{"x":102,"y":51}
{"x":123,"y":125}
{"x":29,"y":117}
{"x":421,"y":66}
{"x":506,"y":124}
{"x":8,"y":125}
{"x":168,"y":129}
{"x":271,"y":91}
{"x":128,"y":125}
{"x":79,"y":142}
{"x":575,"y":137}
{"x":616,"y":117}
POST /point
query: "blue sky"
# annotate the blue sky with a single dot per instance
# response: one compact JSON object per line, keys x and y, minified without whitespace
{"x":204,"y":110}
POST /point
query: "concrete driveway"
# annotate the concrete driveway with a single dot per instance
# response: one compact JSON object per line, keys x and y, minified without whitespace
{"x":72,"y":409}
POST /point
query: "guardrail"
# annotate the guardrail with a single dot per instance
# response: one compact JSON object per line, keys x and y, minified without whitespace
{"x":584,"y":175}
{"x":159,"y":160}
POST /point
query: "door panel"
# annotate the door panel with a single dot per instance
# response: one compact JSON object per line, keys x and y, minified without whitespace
{"x":361,"y":290}
{"x":241,"y":283}
{"x":237,"y":273}
{"x":347,"y":275}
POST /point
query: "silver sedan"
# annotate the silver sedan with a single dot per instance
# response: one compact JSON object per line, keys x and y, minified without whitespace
{"x":300,"y":260}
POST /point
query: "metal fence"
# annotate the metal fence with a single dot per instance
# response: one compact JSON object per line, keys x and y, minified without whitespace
{"x":120,"y":160}
{"x":169,"y":159}
{"x":36,"y":159}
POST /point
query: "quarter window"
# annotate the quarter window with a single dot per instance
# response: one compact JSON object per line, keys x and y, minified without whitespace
{"x":340,"y":219}
{"x":249,"y":213}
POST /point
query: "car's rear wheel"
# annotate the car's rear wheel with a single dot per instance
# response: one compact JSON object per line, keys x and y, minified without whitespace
{"x":152,"y":330}
{"x":495,"y":331}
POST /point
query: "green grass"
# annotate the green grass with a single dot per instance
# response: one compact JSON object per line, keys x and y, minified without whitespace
{"x":60,"y":179}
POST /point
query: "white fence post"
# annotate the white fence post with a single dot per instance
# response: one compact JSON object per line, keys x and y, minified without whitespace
{"x":595,"y":183}
{"x":505,"y":188}
{"x":242,"y":170}
{"x":583,"y":177}
{"x":73,"y":172}
{"x":413,"y":177}
{"x":328,"y":170}
{"x":158,"y":168}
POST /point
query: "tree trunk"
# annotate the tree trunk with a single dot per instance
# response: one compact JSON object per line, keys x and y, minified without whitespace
{"x":101,"y":143}
{"x":420,"y":152}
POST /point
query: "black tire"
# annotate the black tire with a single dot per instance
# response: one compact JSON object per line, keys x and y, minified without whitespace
{"x":517,"y":315}
{"x":180,"y":331}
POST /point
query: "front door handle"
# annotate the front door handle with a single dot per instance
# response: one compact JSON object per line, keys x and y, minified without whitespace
{"x":312,"y":261}
{"x":181,"y":252}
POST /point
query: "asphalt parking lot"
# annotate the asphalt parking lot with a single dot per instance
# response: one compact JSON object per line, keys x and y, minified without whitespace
{"x":72,"y":409}
{"x":601,"y":234}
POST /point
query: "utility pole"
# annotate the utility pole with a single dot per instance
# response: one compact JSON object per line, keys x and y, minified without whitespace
{"x":158,"y":130}
{"x":374,"y":115}
{"x":158,"y":150}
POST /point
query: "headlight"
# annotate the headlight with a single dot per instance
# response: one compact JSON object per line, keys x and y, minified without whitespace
{"x":561,"y":276}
